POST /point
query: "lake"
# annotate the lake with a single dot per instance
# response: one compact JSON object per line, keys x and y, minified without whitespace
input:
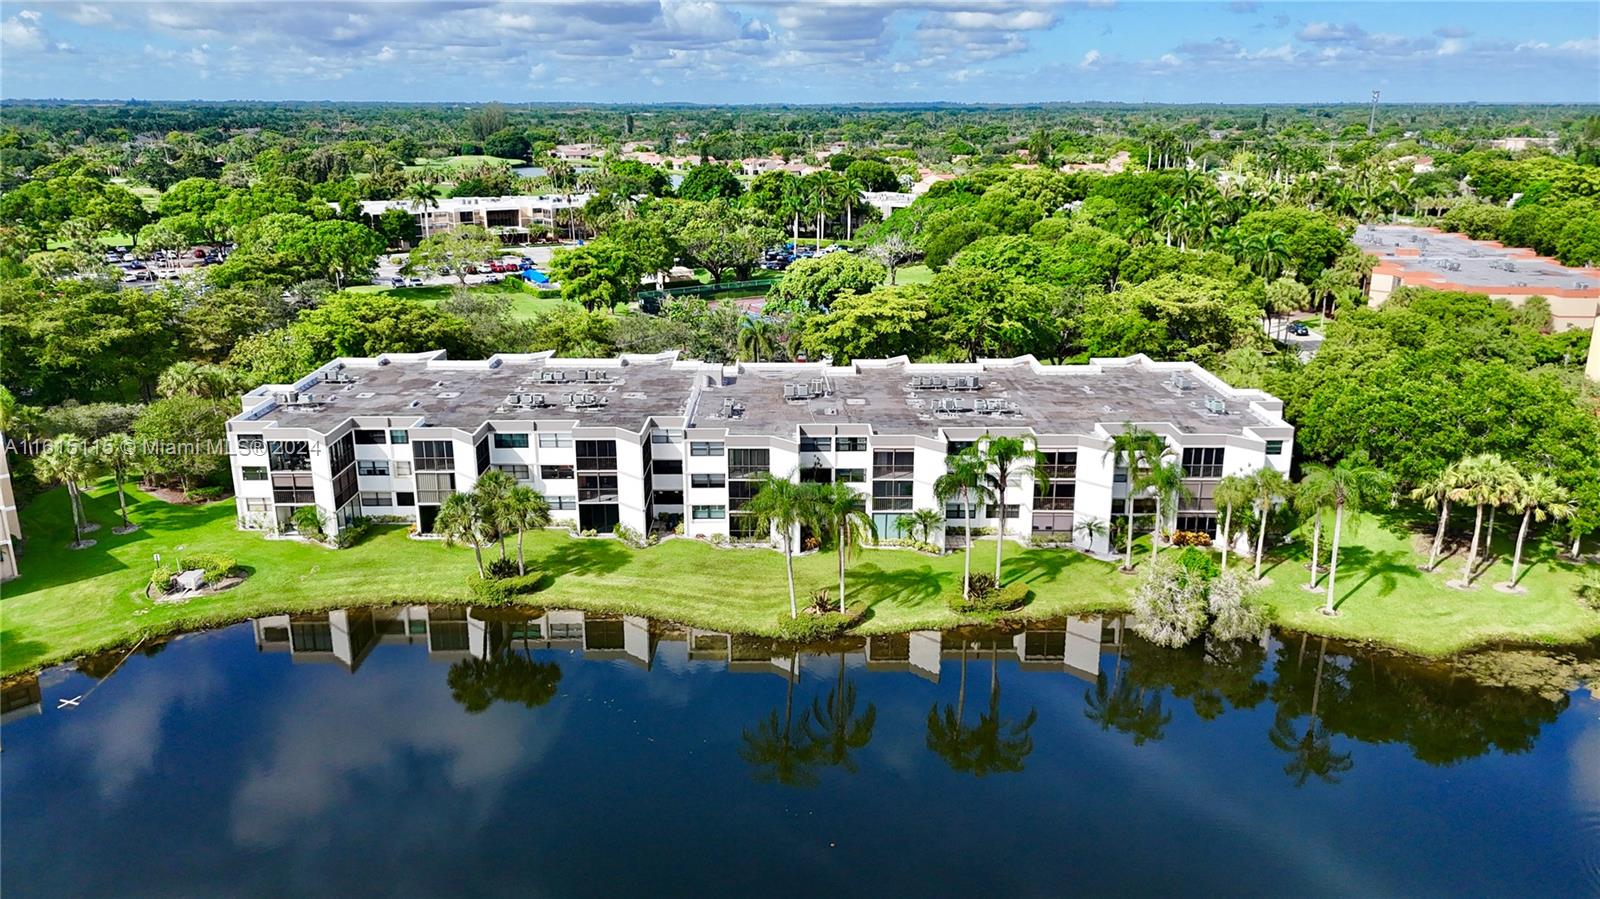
{"x":417,"y":752}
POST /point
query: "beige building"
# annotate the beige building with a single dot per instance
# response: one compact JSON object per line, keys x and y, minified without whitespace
{"x":10,"y":524}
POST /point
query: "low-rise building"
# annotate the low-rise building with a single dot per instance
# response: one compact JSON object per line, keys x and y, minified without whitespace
{"x":887,"y":201}
{"x":10,"y":522}
{"x":654,"y":441}
{"x":507,"y":216}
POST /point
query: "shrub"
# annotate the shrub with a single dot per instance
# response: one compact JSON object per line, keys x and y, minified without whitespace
{"x":353,"y":533}
{"x":206,"y":494}
{"x":981,"y":584}
{"x":215,"y":566}
{"x":630,"y":536}
{"x":1189,"y":538}
{"x":310,"y":522}
{"x":1588,"y":590}
{"x":1169,"y":605}
{"x":1199,"y":563}
{"x":1005,"y":599}
{"x":499,"y":569}
{"x":505,"y":590}
{"x":811,"y":627}
{"x":1231,"y":619}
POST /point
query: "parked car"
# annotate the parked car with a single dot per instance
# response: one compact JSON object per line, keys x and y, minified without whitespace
{"x":1299,"y":329}
{"x":412,"y":282}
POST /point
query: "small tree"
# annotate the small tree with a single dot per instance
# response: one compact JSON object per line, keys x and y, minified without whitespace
{"x":491,"y":494}
{"x":1231,"y":491}
{"x":527,"y":510}
{"x":843,"y":511}
{"x":66,"y":462}
{"x":1164,"y":480}
{"x":964,"y":479}
{"x":1352,"y":484}
{"x":460,"y":520}
{"x":118,"y":453}
{"x":454,"y":250}
{"x":1312,"y":496}
{"x":1268,"y":488}
{"x":310,"y":521}
{"x":782,"y":504}
{"x":1539,"y":497}
{"x":1005,"y":458}
{"x":1130,"y":448}
{"x":923,"y":523}
{"x":1434,"y":493}
{"x":892,"y":252}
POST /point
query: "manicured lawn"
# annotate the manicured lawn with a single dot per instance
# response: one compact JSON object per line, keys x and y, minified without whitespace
{"x":524,"y":303}
{"x":458,"y":162}
{"x":1383,"y":595}
{"x":913,"y":274}
{"x":70,"y":602}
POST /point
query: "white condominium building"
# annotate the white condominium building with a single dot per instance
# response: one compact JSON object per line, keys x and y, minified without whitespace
{"x":503,"y":215}
{"x":651,"y":441}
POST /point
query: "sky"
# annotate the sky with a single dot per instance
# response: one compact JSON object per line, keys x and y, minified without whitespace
{"x":801,"y":51}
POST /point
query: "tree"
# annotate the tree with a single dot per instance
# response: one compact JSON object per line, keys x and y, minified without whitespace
{"x":888,"y":322}
{"x":1481,"y":480}
{"x":526,"y":510}
{"x":842,"y":511}
{"x":1232,"y":490}
{"x":819,"y":281}
{"x":1352,"y":484}
{"x":1130,"y":448}
{"x":1285,"y":296}
{"x":782,"y":504}
{"x":1537,"y":497}
{"x":1312,"y":496}
{"x":965,"y":478}
{"x":490,"y":494}
{"x":117,"y":453}
{"x":872,"y":175}
{"x":339,"y":251}
{"x":452,"y":251}
{"x":564,"y":177}
{"x":758,"y":337}
{"x":985,"y":314}
{"x":460,"y":519}
{"x":507,"y":143}
{"x":922,"y":524}
{"x":712,"y":181}
{"x":1006,"y":458}
{"x":598,"y":275}
{"x":67,"y":462}
{"x":1434,"y":493}
{"x":1268,"y":488}
{"x":649,"y":247}
{"x":178,"y":435}
{"x":1163,"y":480}
{"x":891,"y":252}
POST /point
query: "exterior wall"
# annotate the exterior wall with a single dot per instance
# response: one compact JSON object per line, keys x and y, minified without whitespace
{"x":10,"y":524}
{"x":1593,"y":367}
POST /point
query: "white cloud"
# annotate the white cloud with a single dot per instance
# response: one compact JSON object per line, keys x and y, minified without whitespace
{"x":1090,"y":59}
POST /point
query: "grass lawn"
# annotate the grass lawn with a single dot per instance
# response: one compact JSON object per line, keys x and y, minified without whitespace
{"x":458,"y":162}
{"x":524,"y":303}
{"x":913,"y":274}
{"x":67,"y":603}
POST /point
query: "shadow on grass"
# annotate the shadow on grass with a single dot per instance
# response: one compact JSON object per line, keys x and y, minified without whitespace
{"x":1387,"y":567}
{"x":584,"y":557}
{"x":19,"y":652}
{"x":1039,"y":565}
{"x":897,"y":585}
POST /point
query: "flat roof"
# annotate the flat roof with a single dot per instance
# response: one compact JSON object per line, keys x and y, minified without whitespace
{"x":472,"y":204}
{"x":900,"y":398}
{"x":1446,"y":261}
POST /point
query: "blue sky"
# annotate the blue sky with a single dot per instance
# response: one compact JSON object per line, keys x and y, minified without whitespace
{"x":802,"y":51}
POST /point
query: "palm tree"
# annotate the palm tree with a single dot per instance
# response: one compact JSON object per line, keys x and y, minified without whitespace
{"x":424,"y":195}
{"x":782,"y":504}
{"x":1267,"y":253}
{"x":824,"y":194}
{"x":1312,"y":495}
{"x":758,"y":336}
{"x":1480,"y":480}
{"x":1434,"y":493}
{"x":1164,"y":480}
{"x":1353,"y":483}
{"x":1538,"y":497}
{"x":838,"y":731}
{"x":964,"y":477}
{"x":490,"y":494}
{"x":460,"y":520}
{"x":526,"y":510}
{"x":118,"y":453}
{"x":794,"y":203}
{"x":66,"y":462}
{"x":1268,"y":487}
{"x":1233,"y":490}
{"x":1128,"y":449}
{"x":843,"y":511}
{"x":849,"y":198}
{"x":1006,"y":458}
{"x":564,"y":178}
{"x":923,"y":523}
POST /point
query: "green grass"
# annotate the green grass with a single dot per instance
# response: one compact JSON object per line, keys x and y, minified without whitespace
{"x":525,"y":303}
{"x":67,"y":603}
{"x":452,"y":164}
{"x":913,"y":274}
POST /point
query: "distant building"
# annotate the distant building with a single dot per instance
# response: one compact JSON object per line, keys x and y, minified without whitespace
{"x":1519,"y":144}
{"x":887,"y":201}
{"x":1409,"y":256}
{"x":10,"y":524}
{"x":509,"y":217}
{"x":579,"y":152}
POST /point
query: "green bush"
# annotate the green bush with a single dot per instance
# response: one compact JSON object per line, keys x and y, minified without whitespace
{"x":1199,"y":563}
{"x":207,"y":494}
{"x":499,"y":569}
{"x":811,"y":627}
{"x":505,"y":590}
{"x":354,"y":532}
{"x":981,"y":584}
{"x":216,"y":566}
{"x":1009,"y":598}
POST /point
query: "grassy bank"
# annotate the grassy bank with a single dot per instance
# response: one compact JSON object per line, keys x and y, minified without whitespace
{"x":70,"y":602}
{"x":525,"y":302}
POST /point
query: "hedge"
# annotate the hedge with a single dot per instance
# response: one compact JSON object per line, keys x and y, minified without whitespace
{"x":215,"y":566}
{"x":811,"y":627}
{"x":504,"y":590}
{"x":1008,"y":598}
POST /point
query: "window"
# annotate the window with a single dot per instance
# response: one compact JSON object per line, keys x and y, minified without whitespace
{"x":892,"y":463}
{"x":341,"y":453}
{"x":465,"y":217}
{"x":597,"y":455}
{"x":1205,"y":524}
{"x":405,"y":499}
{"x":398,"y":437}
{"x":744,"y":463}
{"x":740,"y":493}
{"x":433,"y":487}
{"x":520,"y":472}
{"x":254,"y":443}
{"x":1203,"y":462}
{"x":707,"y":480}
{"x":669,"y":497}
{"x":345,"y":486}
{"x":701,"y":448}
{"x":956,"y":511}
{"x":372,"y":467}
{"x":555,"y":439}
{"x":816,"y":474}
{"x":1057,"y":497}
{"x":667,"y":466}
{"x":666,"y":435}
{"x":402,"y":469}
{"x":480,"y":453}
{"x":289,"y":455}
{"x":850,"y":475}
{"x":556,"y":472}
{"x":256,"y":505}
{"x":377,"y":499}
{"x":952,"y":447}
{"x":254,"y":472}
{"x":597,"y":488}
{"x":369,"y":437}
{"x":1274,"y":447}
{"x":1060,"y":465}
{"x":1013,"y":510}
{"x":1120,"y":477}
{"x":703,"y":512}
{"x":891,"y":496}
{"x":815,"y":444}
{"x":851,"y":444}
{"x":292,"y":488}
{"x":434,"y":455}
{"x":562,"y":503}
{"x":510,"y":441}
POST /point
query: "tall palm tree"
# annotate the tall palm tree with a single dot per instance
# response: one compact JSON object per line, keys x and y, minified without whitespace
{"x":1434,"y":493}
{"x":1480,"y":480}
{"x":67,"y":462}
{"x":964,"y":478}
{"x":1006,"y":458}
{"x":490,"y":494}
{"x":1268,"y":487}
{"x":1267,"y":253}
{"x":1232,"y":490}
{"x":1312,"y":496}
{"x":1163,"y":480}
{"x":1352,"y":484}
{"x":794,"y":202}
{"x":850,"y":199}
{"x":782,"y":504}
{"x":1128,"y":450}
{"x":1538,"y":497}
{"x":838,"y":731}
{"x":564,"y":177}
{"x":526,"y":510}
{"x":824,"y":196}
{"x":118,"y":453}
{"x":460,"y":520}
{"x":424,"y":195}
{"x":842,"y":510}
{"x":758,"y":337}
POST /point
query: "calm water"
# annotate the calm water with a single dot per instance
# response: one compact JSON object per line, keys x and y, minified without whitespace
{"x":406,"y":753}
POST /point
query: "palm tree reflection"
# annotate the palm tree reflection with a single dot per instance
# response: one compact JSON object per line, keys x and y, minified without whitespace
{"x":1310,"y":754}
{"x":994,"y":745}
